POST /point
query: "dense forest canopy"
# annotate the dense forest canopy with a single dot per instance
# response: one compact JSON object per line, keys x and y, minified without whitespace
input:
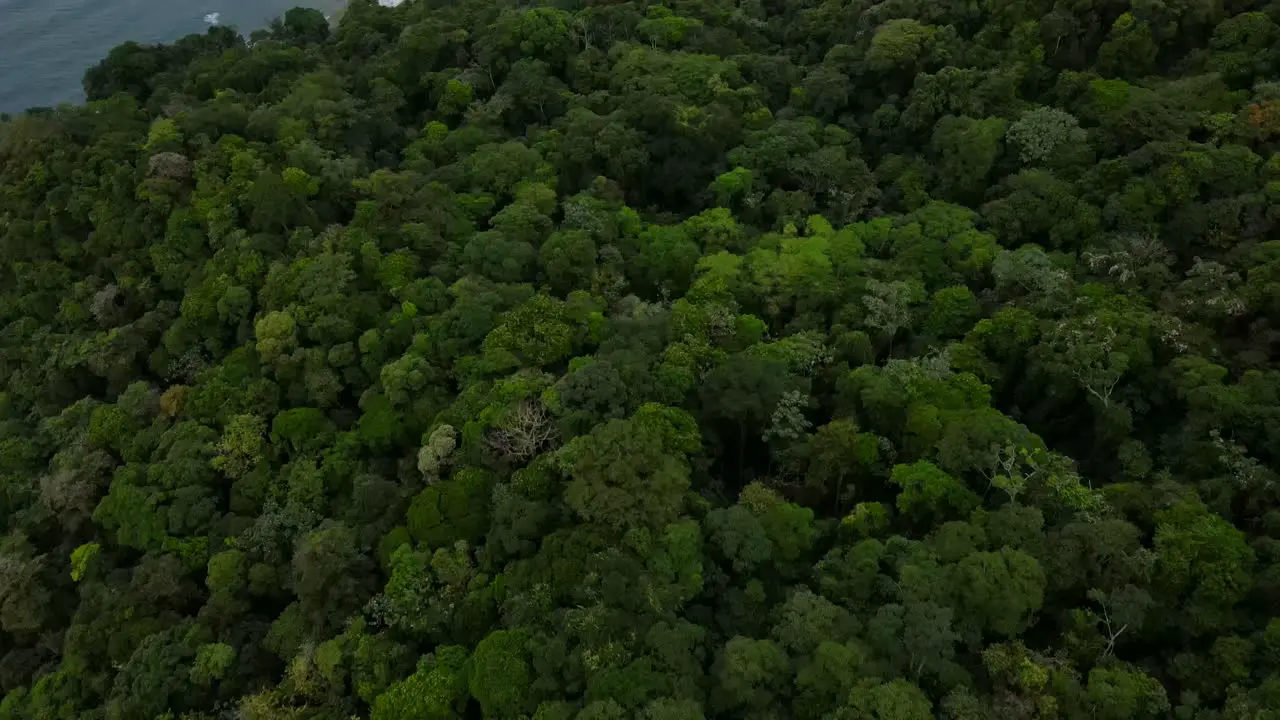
{"x":813,"y":359}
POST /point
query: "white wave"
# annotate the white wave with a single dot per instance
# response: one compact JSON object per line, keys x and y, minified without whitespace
{"x":389,"y":3}
{"x":213,"y":18}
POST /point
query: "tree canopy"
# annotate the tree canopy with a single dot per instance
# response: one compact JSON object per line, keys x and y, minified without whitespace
{"x":679,"y":360}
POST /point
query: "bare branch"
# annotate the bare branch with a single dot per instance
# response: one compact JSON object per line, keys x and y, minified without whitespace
{"x":526,"y":431}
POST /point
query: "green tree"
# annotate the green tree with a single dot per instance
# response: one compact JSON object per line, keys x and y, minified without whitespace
{"x":894,"y":700}
{"x":499,"y":674}
{"x":632,"y":472}
{"x":751,"y":675}
{"x":1040,"y":132}
{"x":929,"y":492}
{"x":999,"y":591}
{"x":897,"y":43}
{"x":967,"y":150}
{"x":435,"y":691}
{"x":1204,"y":561}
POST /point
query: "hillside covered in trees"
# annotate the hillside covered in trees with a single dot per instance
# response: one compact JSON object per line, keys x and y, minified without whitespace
{"x":704,"y":359}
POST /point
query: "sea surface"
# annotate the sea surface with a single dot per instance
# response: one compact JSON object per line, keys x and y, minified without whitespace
{"x":46,"y":45}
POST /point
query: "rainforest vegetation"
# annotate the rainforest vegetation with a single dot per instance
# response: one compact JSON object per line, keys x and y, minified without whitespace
{"x":683,"y":360}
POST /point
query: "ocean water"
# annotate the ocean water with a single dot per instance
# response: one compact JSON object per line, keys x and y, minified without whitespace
{"x":46,"y":45}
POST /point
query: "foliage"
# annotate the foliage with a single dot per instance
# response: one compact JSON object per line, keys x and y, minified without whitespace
{"x":669,"y":361}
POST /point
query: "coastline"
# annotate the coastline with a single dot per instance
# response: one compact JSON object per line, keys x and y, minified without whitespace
{"x":45,"y":48}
